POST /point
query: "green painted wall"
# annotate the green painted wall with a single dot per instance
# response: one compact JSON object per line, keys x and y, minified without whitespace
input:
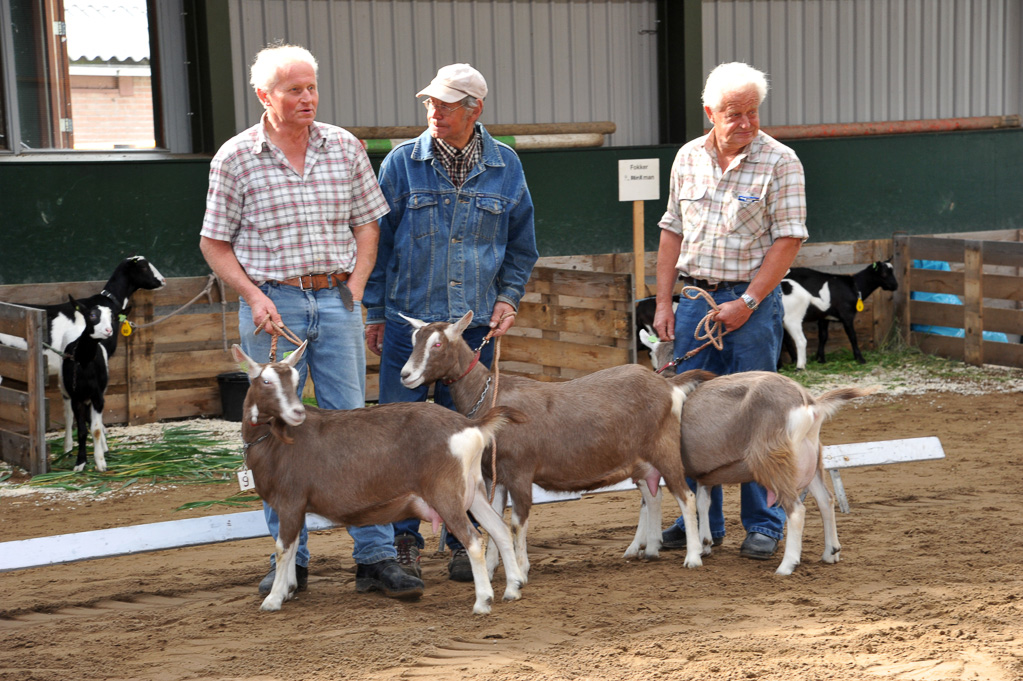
{"x":74,"y":220}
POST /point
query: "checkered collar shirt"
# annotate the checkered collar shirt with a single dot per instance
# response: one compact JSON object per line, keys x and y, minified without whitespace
{"x":282,"y":224}
{"x":458,"y":162}
{"x":729,"y":219}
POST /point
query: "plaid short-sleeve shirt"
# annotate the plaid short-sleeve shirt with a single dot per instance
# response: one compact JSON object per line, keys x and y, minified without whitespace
{"x":281,"y":224}
{"x":729,"y":219}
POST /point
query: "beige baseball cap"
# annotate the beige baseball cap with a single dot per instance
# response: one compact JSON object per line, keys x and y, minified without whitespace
{"x":454,"y":83}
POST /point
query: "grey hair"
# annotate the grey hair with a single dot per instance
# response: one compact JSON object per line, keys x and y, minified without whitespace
{"x":732,"y":77}
{"x":470,"y":103}
{"x":271,"y":60}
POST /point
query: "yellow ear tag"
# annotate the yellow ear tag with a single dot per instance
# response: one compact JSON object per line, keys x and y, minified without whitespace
{"x":126,"y":329}
{"x":859,"y":304}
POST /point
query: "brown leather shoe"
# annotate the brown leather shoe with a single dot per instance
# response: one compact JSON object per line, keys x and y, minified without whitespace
{"x":459,"y":567}
{"x":408,"y":554}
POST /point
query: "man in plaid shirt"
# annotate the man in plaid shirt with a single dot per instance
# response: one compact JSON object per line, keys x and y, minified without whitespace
{"x":292,"y":224}
{"x":735,"y":221}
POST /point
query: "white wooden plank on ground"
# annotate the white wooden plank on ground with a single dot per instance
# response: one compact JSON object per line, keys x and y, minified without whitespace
{"x":172,"y":534}
{"x":119,"y":541}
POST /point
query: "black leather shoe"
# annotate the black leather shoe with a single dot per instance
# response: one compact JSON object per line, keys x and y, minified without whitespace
{"x":675,"y":538}
{"x":758,"y":546}
{"x":301,"y":573}
{"x":459,"y":567}
{"x":388,"y":576}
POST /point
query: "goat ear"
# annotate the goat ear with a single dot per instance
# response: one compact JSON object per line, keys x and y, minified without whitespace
{"x":416,"y":324}
{"x":247,"y":364}
{"x":462,"y":324}
{"x":293,"y":358}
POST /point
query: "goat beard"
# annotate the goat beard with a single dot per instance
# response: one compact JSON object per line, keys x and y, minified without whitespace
{"x":279,"y":429}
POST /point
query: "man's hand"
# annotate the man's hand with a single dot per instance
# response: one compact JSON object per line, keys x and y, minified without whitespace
{"x":732,"y":314}
{"x":502,"y":319}
{"x":261,"y":307}
{"x":375,"y":338}
{"x":664,"y":322}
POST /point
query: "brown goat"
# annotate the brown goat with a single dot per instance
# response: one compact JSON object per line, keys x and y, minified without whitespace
{"x":764,"y":427}
{"x":583,"y":434}
{"x":367,"y":467}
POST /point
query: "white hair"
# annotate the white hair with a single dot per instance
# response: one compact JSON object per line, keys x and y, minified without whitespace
{"x":271,"y":60}
{"x":732,"y":77}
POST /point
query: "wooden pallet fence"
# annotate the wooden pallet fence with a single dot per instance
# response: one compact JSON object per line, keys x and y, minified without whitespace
{"x":22,"y":398}
{"x":569,"y":324}
{"x":844,"y":257}
{"x":159,"y":372}
{"x":985,"y":275}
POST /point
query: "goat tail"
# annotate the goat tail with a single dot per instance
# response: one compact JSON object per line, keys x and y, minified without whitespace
{"x":497,"y":418}
{"x":831,"y":401}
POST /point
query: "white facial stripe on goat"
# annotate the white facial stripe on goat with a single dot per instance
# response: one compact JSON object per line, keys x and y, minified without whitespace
{"x":270,"y":376}
{"x":156,"y":273}
{"x":420,"y":359}
{"x":105,"y":326}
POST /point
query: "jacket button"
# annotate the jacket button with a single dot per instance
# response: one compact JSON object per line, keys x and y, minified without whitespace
{"x":447,"y":201}
{"x":455,"y":283}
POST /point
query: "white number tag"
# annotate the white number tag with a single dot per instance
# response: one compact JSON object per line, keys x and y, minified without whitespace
{"x":246,"y":480}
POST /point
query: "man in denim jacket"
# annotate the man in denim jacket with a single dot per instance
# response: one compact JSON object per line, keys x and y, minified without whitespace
{"x":458,"y":237}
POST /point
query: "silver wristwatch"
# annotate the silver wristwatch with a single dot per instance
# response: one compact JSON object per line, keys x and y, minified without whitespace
{"x":750,"y":301}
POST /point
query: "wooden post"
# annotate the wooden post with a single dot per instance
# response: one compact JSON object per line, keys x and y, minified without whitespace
{"x":973,"y":302}
{"x":35,"y":335}
{"x":902,"y":263}
{"x":141,"y":365}
{"x":638,"y":250}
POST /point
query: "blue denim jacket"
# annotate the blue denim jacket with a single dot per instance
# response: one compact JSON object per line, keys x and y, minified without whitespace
{"x":444,"y":251}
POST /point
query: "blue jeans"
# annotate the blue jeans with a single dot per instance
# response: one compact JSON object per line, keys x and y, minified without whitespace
{"x":336,"y":358}
{"x":396,"y":351}
{"x":753,"y":347}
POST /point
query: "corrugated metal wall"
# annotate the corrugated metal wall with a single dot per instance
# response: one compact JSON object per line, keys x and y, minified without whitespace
{"x":843,"y":61}
{"x":546,"y":61}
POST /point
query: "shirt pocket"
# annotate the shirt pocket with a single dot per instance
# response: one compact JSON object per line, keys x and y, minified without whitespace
{"x":489,"y":213}
{"x":692,"y":204}
{"x":422,"y":216}
{"x":748,"y":209}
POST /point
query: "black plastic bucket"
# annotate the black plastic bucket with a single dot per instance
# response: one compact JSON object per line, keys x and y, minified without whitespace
{"x":233,"y":386}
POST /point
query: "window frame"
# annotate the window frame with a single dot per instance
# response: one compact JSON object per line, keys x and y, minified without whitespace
{"x":172,"y":109}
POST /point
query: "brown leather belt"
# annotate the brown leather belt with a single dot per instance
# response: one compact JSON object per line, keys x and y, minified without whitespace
{"x":314,"y":282}
{"x":709,"y":287}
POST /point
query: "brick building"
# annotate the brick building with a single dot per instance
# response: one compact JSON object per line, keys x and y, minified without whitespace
{"x":111,"y":93}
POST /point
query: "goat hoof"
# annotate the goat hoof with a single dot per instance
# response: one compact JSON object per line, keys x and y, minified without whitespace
{"x":511,"y":594}
{"x":784,"y":569}
{"x":79,"y":468}
{"x":693,"y":563}
{"x":270,"y":604}
{"x":482,"y":607}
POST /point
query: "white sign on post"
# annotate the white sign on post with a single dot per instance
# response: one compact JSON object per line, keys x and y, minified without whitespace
{"x":639,"y":179}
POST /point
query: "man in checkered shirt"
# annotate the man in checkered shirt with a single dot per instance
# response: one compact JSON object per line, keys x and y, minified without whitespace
{"x":292,"y":225}
{"x":735,"y":221}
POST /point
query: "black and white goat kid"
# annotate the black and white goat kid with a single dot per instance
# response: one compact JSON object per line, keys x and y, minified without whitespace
{"x":84,"y":377}
{"x":812,"y":296}
{"x":65,"y":323}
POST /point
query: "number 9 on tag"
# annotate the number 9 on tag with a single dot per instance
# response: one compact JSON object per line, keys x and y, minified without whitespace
{"x":246,"y":480}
